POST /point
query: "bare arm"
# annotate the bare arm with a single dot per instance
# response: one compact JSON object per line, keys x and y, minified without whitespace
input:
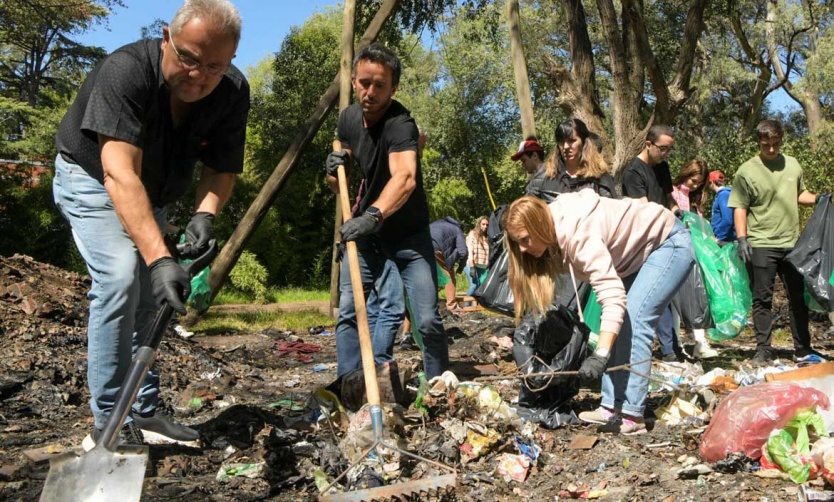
{"x":122,"y":163}
{"x":213,"y":191}
{"x":807,"y":198}
{"x":740,"y":221}
{"x":403,"y":167}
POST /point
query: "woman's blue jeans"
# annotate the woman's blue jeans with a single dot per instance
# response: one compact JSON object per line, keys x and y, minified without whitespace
{"x":122,"y":306}
{"x":650,"y":291}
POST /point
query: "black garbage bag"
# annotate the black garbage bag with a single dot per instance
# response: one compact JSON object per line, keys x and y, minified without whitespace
{"x":556,"y":341}
{"x":494,"y":292}
{"x":692,"y":302}
{"x":813,"y":254}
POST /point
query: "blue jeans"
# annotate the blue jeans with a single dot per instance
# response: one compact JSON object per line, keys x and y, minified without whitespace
{"x":473,"y":283}
{"x":122,"y":305}
{"x":414,"y":259}
{"x":386,"y":309}
{"x":650,"y":291}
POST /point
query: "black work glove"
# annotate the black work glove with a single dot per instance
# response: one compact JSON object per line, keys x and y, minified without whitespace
{"x":336,"y":159}
{"x":358,"y":226}
{"x":461,"y":267}
{"x":170,"y":283}
{"x":745,"y":252}
{"x":593,"y":367}
{"x":198,"y":233}
{"x":473,"y":273}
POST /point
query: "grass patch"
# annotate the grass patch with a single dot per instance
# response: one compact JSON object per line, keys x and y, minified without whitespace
{"x":251,"y":322}
{"x":273,"y":295}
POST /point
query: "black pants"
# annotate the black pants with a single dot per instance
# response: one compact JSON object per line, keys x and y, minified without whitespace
{"x":766,"y":263}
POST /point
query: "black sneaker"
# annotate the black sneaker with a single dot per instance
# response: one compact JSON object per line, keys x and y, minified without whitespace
{"x":129,"y":435}
{"x":159,"y":427}
{"x":762,"y":357}
{"x":673,"y":358}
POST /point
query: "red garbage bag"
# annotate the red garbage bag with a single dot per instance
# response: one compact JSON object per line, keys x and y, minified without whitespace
{"x":743,"y":421}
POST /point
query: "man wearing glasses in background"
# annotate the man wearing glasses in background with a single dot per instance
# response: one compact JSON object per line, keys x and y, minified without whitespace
{"x":647,"y":177}
{"x":128,"y":147}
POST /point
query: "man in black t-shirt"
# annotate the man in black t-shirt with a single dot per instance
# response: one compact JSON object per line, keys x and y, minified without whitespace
{"x":127,"y":147}
{"x":391,"y":221}
{"x":647,"y":177}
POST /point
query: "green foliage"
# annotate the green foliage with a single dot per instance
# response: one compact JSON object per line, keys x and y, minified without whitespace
{"x":447,"y":198}
{"x":250,"y":276}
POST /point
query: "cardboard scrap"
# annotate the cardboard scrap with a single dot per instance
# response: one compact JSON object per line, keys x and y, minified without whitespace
{"x":581,"y":442}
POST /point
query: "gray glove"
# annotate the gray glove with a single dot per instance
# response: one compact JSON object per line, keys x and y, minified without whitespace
{"x":198,"y":233}
{"x":336,"y":159}
{"x":170,"y":283}
{"x":745,"y":252}
{"x":593,"y":367}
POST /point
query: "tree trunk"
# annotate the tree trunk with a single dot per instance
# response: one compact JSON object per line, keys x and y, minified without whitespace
{"x":578,"y":96}
{"x":522,"y":82}
{"x":234,"y":247}
{"x":348,"y":20}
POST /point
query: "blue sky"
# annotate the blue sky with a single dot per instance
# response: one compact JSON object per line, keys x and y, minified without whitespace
{"x":265,"y":24}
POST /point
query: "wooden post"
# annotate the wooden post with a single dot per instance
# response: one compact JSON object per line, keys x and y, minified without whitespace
{"x":344,"y":101}
{"x":230,"y":253}
{"x":522,"y":82}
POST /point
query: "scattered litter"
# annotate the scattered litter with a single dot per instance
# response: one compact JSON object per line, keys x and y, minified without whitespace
{"x":318,"y":368}
{"x":211,"y":375}
{"x":513,"y":467}
{"x":681,"y":408}
{"x":238,"y":469}
{"x":298,"y":350}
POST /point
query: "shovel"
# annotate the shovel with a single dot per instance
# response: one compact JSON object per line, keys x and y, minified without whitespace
{"x":111,"y":471}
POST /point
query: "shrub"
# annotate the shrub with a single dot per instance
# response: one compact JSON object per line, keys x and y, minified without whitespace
{"x":250,"y":276}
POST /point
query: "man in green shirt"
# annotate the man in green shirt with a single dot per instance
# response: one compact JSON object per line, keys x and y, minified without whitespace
{"x":767,"y":191}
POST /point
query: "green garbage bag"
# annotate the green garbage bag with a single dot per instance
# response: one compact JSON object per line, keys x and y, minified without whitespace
{"x":592,"y":312}
{"x":728,"y":287}
{"x":790,"y":448}
{"x":200,"y":297}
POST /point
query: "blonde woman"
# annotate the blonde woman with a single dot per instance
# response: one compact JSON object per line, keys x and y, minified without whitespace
{"x":635,"y":255}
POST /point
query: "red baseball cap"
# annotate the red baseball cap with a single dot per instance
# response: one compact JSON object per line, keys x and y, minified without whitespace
{"x":529,"y":145}
{"x":716,"y":176}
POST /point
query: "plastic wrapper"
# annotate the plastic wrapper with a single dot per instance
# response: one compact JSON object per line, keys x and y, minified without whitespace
{"x":813,"y":253}
{"x":512,"y":466}
{"x":692,"y":302}
{"x":743,"y":421}
{"x":725,"y":278}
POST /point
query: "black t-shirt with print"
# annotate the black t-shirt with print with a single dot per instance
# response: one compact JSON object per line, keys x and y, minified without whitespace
{"x":640,"y":180}
{"x":395,"y":132}
{"x":125,"y":97}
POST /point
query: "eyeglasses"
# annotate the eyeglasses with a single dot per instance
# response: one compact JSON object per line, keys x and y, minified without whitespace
{"x":663,"y":149}
{"x":191,"y":64}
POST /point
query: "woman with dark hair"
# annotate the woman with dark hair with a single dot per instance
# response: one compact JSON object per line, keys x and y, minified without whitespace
{"x":635,"y":255}
{"x":577,"y":163}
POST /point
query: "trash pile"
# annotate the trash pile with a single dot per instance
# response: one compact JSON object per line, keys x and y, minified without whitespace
{"x":274,"y":428}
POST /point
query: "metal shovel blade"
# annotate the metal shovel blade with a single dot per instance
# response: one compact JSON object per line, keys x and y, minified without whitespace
{"x":97,"y":475}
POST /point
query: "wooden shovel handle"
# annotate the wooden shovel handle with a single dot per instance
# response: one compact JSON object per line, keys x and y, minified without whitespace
{"x":365,"y":344}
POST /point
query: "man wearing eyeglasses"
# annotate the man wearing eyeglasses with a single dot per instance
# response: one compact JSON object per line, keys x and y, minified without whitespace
{"x":647,"y":177}
{"x":128,"y":146}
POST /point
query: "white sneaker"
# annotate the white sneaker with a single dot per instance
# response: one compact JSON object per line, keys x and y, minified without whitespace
{"x":703,"y":350}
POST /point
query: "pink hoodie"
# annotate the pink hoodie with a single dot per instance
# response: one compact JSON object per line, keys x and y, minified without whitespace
{"x":605,"y":239}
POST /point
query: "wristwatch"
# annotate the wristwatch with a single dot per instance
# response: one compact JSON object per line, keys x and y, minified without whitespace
{"x":377,"y":214}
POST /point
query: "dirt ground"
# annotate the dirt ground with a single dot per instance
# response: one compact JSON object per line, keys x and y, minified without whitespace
{"x":251,"y":403}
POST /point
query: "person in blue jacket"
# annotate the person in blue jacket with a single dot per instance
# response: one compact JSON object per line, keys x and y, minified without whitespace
{"x":449,"y":249}
{"x":722,"y":214}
